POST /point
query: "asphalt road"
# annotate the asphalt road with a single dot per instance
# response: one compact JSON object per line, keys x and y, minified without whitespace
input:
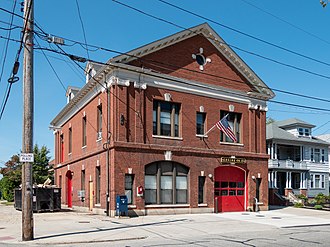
{"x":281,"y":227}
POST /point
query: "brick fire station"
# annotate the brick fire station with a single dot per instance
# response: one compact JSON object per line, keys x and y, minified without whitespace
{"x":140,"y":125}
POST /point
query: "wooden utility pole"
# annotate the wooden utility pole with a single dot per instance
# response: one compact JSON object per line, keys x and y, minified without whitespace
{"x":27,"y":189}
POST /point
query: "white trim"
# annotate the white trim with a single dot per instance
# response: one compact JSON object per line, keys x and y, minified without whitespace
{"x":234,"y":144}
{"x":168,"y":137}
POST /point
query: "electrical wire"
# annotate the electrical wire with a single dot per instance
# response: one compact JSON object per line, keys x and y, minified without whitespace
{"x":7,"y":41}
{"x":9,"y":85}
{"x":286,"y":22}
{"x":275,"y":61}
{"x":190,"y":70}
{"x":83,"y":28}
{"x":242,"y":33}
{"x":187,"y":83}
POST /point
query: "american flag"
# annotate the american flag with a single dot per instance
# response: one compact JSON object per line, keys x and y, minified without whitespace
{"x":223,"y":125}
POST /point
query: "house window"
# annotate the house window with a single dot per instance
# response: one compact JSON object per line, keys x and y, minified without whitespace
{"x":312,"y":154}
{"x":201,"y":189}
{"x":70,"y":140}
{"x":304,"y":131}
{"x":166,"y":118}
{"x":200,"y":123}
{"x":61,"y":148}
{"x":317,"y":155}
{"x":99,"y":122}
{"x":234,"y":121}
{"x":312,"y":180}
{"x":98,"y":185}
{"x":129,"y":178}
{"x":323,"y":156}
{"x":317,"y":181}
{"x":84,"y":131}
{"x":166,"y":183}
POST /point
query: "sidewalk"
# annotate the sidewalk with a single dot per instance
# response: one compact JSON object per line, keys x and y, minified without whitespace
{"x":80,"y":228}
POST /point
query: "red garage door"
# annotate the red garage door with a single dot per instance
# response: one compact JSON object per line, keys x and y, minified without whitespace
{"x":229,"y":189}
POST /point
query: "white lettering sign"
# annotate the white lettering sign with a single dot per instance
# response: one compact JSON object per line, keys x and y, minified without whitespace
{"x":26,"y":157}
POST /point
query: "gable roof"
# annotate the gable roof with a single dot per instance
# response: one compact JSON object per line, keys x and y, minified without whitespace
{"x":206,"y":31}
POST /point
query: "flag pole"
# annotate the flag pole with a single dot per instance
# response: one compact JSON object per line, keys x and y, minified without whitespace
{"x":214,"y":125}
{"x":209,"y":131}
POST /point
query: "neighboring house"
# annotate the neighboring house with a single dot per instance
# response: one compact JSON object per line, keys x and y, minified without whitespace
{"x":154,"y":106}
{"x":299,"y":162}
{"x":326,"y":137}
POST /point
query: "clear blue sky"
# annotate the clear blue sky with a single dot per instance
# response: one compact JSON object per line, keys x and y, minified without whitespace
{"x":299,"y":26}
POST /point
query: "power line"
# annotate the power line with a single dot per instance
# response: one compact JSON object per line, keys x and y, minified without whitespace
{"x":82,"y":26}
{"x":275,"y":61}
{"x":187,"y":83}
{"x":242,"y":33}
{"x":7,"y":41}
{"x":286,"y":22}
{"x":204,"y":73}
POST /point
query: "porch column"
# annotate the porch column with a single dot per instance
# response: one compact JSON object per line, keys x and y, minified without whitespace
{"x":305,"y":180}
{"x":275,"y":179}
{"x":301,"y":180}
{"x":275,"y":151}
{"x":269,"y":180}
{"x":290,"y":180}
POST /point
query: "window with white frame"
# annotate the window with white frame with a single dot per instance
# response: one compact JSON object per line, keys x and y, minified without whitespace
{"x":304,"y":131}
{"x":166,"y":118}
{"x":317,"y":155}
{"x":317,"y":181}
{"x":166,"y":183}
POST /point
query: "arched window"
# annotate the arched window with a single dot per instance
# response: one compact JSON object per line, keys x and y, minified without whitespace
{"x":166,"y":183}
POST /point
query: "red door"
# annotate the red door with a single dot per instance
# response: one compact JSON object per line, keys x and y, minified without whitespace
{"x":229,"y":189}
{"x":69,"y":189}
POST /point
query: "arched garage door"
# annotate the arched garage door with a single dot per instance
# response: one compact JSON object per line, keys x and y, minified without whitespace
{"x":229,"y":188}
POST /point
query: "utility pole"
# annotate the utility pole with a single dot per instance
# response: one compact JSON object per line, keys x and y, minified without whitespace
{"x":27,"y":189}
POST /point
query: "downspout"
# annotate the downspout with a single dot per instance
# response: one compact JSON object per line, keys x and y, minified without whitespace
{"x":108,"y":197}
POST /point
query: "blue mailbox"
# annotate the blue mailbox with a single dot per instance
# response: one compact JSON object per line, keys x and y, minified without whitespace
{"x":121,"y":205}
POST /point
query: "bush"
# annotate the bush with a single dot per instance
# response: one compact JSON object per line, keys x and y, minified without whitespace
{"x":298,"y":205}
{"x":320,"y":198}
{"x":318,"y":207}
{"x":302,"y":197}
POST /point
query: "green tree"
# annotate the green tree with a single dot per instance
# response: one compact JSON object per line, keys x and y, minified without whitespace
{"x":11,"y":177}
{"x":12,"y":172}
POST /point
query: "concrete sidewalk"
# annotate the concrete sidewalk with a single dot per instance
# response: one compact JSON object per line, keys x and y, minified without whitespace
{"x":80,"y":228}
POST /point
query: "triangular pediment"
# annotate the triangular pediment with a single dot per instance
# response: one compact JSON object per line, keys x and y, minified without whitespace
{"x":177,"y":55}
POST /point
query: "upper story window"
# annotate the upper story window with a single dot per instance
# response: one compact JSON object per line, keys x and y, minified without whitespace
{"x":61,"y":148}
{"x":304,"y":131}
{"x":70,"y":140}
{"x":166,"y":118}
{"x":99,"y":122}
{"x":234,"y":121}
{"x":84,"y":131}
{"x":200,"y":123}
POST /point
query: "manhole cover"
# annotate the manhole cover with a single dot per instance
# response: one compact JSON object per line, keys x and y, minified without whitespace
{"x":260,"y":215}
{"x":83,"y":222}
{"x":276,"y":218}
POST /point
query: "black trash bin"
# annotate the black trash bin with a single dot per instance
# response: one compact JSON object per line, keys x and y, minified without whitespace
{"x":44,"y":199}
{"x":121,"y":205}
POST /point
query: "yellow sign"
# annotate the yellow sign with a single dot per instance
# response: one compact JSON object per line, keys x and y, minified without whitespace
{"x":233,"y":160}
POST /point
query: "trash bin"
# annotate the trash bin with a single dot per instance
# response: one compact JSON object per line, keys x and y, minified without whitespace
{"x":121,"y":205}
{"x":44,"y":199}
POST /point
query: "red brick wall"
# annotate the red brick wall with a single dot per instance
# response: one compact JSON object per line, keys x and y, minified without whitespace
{"x":176,"y":60}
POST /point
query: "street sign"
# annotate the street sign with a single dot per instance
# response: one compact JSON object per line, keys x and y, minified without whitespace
{"x":26,"y":157}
